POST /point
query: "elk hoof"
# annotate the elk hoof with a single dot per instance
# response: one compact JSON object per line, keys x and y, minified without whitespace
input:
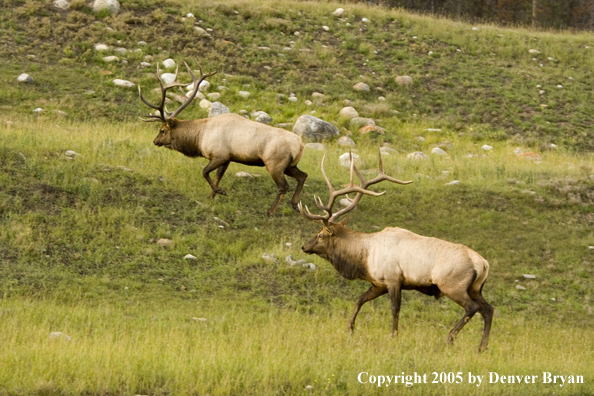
{"x":220,"y":191}
{"x":295,"y":206}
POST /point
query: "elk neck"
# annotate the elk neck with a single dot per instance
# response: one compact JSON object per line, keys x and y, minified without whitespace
{"x":348,"y":253}
{"x":187,"y":137}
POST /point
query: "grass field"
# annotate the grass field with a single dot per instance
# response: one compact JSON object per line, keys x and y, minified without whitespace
{"x":78,"y":251}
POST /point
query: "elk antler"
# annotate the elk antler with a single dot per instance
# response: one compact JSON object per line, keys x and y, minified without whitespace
{"x":164,"y":114}
{"x":352,"y":187}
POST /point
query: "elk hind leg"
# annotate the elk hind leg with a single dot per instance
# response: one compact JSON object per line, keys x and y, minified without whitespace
{"x":281,"y":185}
{"x":300,"y":176}
{"x":372,"y":293}
{"x":215,"y":164}
{"x":486,"y":310}
{"x":470,"y":308}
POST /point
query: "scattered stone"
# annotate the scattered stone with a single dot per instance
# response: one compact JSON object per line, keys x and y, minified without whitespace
{"x":420,"y":138}
{"x":371,"y":129}
{"x":346,"y":141}
{"x":358,"y":122}
{"x":190,"y":257}
{"x":244,"y":175}
{"x":318,"y":95}
{"x":527,"y":276}
{"x":520,"y":287}
{"x":345,"y":160}
{"x":270,"y":258}
{"x":315,"y":146}
{"x":433,"y":130}
{"x":25,"y":78}
{"x":404,"y":80}
{"x":60,"y":113}
{"x":142,"y":43}
{"x":326,"y":28}
{"x":112,"y":6}
{"x":560,"y":86}
{"x":110,"y":59}
{"x":213,"y":96}
{"x":308,"y":102}
{"x":121,"y":51}
{"x":542,"y":92}
{"x":348,"y":112}
{"x":263,"y":117}
{"x":217,"y":108}
{"x":101,"y":47}
{"x":123,"y":83}
{"x":203,"y":87}
{"x":204,"y":103}
{"x":417,"y":155}
{"x":310,"y":266}
{"x":168,"y":63}
{"x":388,"y":151}
{"x":38,"y":110}
{"x":58,"y":335}
{"x":475,"y":29}
{"x":486,"y":147}
{"x":290,"y":260}
{"x":313,"y":128}
{"x":199,"y":319}
{"x":71,"y":154}
{"x":438,"y":151}
{"x":534,"y":52}
{"x":244,"y":94}
{"x":61,"y":4}
{"x":338,"y":12}
{"x":221,"y":222}
{"x":344,"y":202}
{"x":292,"y":99}
{"x":361,"y":86}
{"x":453,"y":183}
{"x":164,"y":242}
{"x":365,"y":20}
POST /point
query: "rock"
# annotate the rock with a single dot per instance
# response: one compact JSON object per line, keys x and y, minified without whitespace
{"x":344,"y":202}
{"x":58,"y":335}
{"x":310,"y":266}
{"x":358,"y":122}
{"x":204,"y":86}
{"x":346,"y":141}
{"x":315,"y":146}
{"x":204,"y":104}
{"x":290,"y":260}
{"x":453,"y":183}
{"x":217,"y":108}
{"x":348,"y":112}
{"x":61,"y":4}
{"x":244,"y":175}
{"x":71,"y":153}
{"x":309,"y":387}
{"x":38,"y":110}
{"x":213,"y":96}
{"x":520,"y":287}
{"x":199,"y":319}
{"x":388,"y":151}
{"x":190,"y":15}
{"x":365,"y":20}
{"x":101,"y":47}
{"x":264,"y":118}
{"x":112,"y":6}
{"x":417,"y":155}
{"x":60,"y":113}
{"x":404,"y":80}
{"x":164,"y":242}
{"x":25,"y":78}
{"x":271,"y":258}
{"x":338,"y":12}
{"x":123,"y":83}
{"x":518,"y":150}
{"x":121,"y":51}
{"x":110,"y":59}
{"x":371,"y":129}
{"x":533,"y":51}
{"x":326,"y":28}
{"x":361,"y":86}
{"x":201,"y":32}
{"x":292,"y":99}
{"x":345,"y":160}
{"x":315,"y":129}
{"x":244,"y":94}
{"x":308,"y":102}
{"x":527,"y":276}
{"x":190,"y":257}
{"x":486,"y":147}
{"x":318,"y":95}
{"x":530,"y":156}
{"x":438,"y":151}
{"x":168,"y":63}
{"x":145,"y":64}
{"x":475,"y":29}
{"x":221,"y":222}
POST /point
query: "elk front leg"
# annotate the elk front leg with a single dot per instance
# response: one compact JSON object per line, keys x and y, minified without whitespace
{"x":282,"y":187}
{"x":221,"y":166}
{"x":395,"y":298}
{"x":300,"y":176}
{"x":372,"y":293}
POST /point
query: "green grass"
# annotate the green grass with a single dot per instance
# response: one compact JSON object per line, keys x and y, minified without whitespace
{"x":78,"y":251}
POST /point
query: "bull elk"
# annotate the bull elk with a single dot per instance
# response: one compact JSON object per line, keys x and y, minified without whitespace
{"x":395,"y":259}
{"x":228,"y":138}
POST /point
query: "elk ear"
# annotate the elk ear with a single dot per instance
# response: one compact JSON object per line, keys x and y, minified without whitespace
{"x":171,"y":123}
{"x":344,"y":221}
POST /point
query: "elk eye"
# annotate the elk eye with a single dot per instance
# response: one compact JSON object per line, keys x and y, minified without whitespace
{"x":320,"y":236}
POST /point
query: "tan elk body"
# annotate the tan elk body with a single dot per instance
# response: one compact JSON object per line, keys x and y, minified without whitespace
{"x":396,"y":259}
{"x":230,"y":138}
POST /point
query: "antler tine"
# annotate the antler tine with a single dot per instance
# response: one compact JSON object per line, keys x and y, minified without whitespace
{"x":310,"y":216}
{"x":196,"y":83}
{"x":159,"y":108}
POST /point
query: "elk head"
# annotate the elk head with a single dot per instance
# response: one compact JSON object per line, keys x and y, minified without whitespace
{"x":166,"y":137}
{"x":331,"y":227}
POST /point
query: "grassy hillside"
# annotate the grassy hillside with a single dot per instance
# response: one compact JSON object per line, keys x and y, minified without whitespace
{"x":78,"y":251}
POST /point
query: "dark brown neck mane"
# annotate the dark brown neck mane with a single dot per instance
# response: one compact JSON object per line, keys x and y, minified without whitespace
{"x":348,"y":254}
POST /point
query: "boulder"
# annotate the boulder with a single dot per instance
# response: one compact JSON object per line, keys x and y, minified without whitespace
{"x":168,"y":63}
{"x":217,"y":108}
{"x":346,"y":141}
{"x":361,"y":86}
{"x":61,"y":4}
{"x":338,"y":12}
{"x":112,"y":6}
{"x":313,"y":128}
{"x":348,"y":112}
{"x":404,"y":80}
{"x":25,"y":78}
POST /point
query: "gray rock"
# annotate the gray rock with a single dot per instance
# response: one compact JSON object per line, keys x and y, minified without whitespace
{"x":101,"y":47}
{"x":527,"y":276}
{"x":417,"y":155}
{"x":168,"y":63}
{"x":221,"y":222}
{"x":348,"y":112}
{"x":164,"y":242}
{"x":263,"y":117}
{"x":345,"y":160}
{"x":438,"y":151}
{"x":310,"y":266}
{"x":123,"y":83}
{"x":61,"y":4}
{"x":113,"y":6}
{"x":244,"y":175}
{"x":213,"y":96}
{"x":111,"y":58}
{"x":217,"y":108}
{"x":244,"y":94}
{"x":25,"y":78}
{"x":404,"y":80}
{"x":338,"y":12}
{"x":190,"y":257}
{"x":271,"y":258}
{"x":361,"y":87}
{"x":315,"y":129}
